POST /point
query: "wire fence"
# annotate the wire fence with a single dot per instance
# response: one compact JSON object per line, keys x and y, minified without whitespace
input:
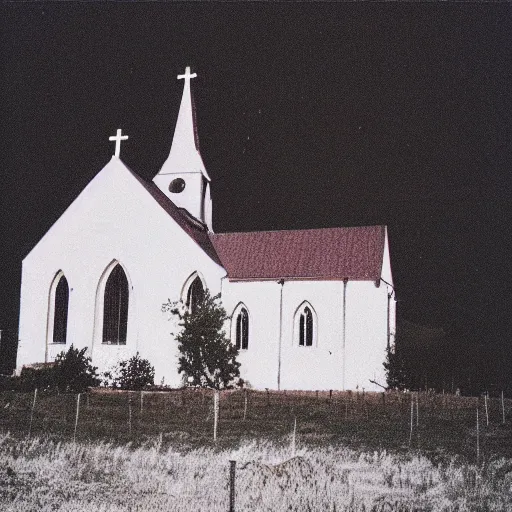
{"x":392,"y":419}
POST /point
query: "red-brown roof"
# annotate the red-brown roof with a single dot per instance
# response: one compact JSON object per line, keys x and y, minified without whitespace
{"x":332,"y":253}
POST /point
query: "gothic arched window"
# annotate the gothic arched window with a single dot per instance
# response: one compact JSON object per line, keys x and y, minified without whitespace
{"x":115,"y":307}
{"x":60,"y":311}
{"x":305,"y":323}
{"x":195,"y":294}
{"x":242,"y":329}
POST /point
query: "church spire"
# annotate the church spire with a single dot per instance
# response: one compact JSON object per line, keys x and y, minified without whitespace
{"x":183,"y":177}
{"x":184,"y":155}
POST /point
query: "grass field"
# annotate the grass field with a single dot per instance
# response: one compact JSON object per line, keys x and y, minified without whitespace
{"x":354,"y":452}
{"x":373,"y":421}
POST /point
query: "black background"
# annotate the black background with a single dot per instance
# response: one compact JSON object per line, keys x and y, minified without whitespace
{"x":309,"y":115}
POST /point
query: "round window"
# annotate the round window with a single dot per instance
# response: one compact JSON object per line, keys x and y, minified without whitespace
{"x":177,"y":186}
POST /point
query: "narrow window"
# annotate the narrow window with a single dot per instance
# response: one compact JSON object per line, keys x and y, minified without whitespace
{"x":306,"y":326}
{"x":115,"y":308}
{"x":195,"y":295}
{"x":242,"y":330}
{"x":60,"y":318}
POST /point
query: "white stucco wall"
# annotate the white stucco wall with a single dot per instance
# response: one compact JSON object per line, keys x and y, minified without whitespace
{"x":114,"y":218}
{"x":320,"y":366}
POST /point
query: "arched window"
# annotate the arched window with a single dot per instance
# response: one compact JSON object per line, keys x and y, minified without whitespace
{"x":60,"y":311}
{"x":242,"y":329}
{"x":195,"y":294}
{"x":305,"y":325}
{"x":115,"y":307}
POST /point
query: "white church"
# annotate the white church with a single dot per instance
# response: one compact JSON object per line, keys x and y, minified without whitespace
{"x":309,"y":309}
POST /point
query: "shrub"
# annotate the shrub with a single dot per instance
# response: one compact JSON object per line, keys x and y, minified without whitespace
{"x":135,"y":374}
{"x":207,"y":356}
{"x":74,"y":371}
{"x":38,"y":376}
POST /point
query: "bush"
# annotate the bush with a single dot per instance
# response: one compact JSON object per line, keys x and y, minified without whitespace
{"x":74,"y":371}
{"x":132,"y":374}
{"x":207,"y":356}
{"x":10,"y":383}
{"x":38,"y":376}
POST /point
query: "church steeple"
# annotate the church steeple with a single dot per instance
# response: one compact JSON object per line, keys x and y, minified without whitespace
{"x":183,"y":177}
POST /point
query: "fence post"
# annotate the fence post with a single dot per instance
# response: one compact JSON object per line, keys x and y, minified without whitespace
{"x":417,"y":410}
{"x":503,"y":407}
{"x":477,"y":437}
{"x":232,"y":470}
{"x":294,"y":437}
{"x":412,"y":418}
{"x":215,"y":413}
{"x":129,"y":413}
{"x":32,"y":412}
{"x":76,"y":417}
{"x":486,"y":409}
{"x":245,"y":404}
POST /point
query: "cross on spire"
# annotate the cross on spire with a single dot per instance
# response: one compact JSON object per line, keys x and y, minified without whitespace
{"x":188,"y":75}
{"x":118,"y":138}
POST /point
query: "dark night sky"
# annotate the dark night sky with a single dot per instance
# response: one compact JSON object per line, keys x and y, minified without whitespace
{"x":309,"y":115}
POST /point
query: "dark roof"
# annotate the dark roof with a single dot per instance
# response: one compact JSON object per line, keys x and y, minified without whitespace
{"x":332,"y":253}
{"x":193,"y":227}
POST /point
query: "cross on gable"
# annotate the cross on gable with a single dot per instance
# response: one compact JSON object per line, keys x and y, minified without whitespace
{"x":188,"y":75}
{"x":118,"y":138}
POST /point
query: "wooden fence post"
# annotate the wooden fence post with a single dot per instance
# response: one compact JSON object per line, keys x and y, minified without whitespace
{"x":477,"y":437}
{"x":245,"y":404}
{"x":232,"y":473}
{"x":76,"y":416}
{"x":412,"y":419}
{"x":294,"y":437}
{"x":215,"y":413}
{"x":32,"y":412}
{"x":129,"y":413}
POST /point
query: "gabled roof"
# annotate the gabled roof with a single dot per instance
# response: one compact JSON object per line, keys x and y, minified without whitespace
{"x":333,"y":253}
{"x":354,"y":253}
{"x":193,"y":227}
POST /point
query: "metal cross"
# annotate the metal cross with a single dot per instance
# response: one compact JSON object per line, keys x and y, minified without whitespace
{"x":118,"y":138}
{"x":188,"y":75}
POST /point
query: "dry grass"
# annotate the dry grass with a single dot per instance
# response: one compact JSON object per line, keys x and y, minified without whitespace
{"x":45,"y":475}
{"x":353,"y":453}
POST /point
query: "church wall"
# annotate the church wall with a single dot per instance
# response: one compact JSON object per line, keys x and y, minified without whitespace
{"x":259,"y":361}
{"x":113,"y":219}
{"x":320,"y":366}
{"x":366,"y":335}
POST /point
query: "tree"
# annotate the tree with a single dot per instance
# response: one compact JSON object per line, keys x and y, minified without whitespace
{"x":207,"y":356}
{"x":397,"y":374}
{"x":74,"y":371}
{"x":134,"y":374}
